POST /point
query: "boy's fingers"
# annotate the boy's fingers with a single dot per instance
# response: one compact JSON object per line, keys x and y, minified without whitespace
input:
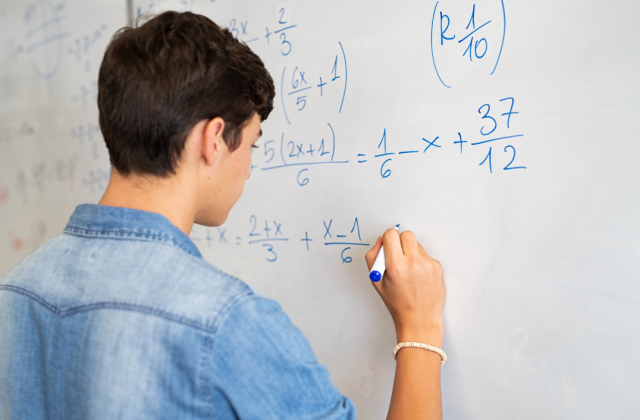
{"x":392,"y":246}
{"x":421,"y":249}
{"x":409,"y":243}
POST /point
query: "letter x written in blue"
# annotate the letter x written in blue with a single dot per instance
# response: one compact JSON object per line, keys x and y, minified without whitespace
{"x":431,"y":143}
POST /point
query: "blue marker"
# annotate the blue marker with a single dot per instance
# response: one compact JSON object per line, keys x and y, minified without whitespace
{"x":379,"y":266}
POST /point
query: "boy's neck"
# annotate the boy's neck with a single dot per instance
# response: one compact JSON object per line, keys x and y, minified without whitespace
{"x":171,"y":197}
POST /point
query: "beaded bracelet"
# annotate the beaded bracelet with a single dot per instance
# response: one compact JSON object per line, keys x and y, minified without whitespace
{"x":429,"y":347}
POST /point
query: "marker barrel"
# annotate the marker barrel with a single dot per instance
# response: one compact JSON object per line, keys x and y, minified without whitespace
{"x":379,"y":265}
{"x":378,"y":268}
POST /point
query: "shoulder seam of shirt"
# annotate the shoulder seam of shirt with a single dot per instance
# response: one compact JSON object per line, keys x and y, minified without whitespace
{"x":131,"y":307}
{"x":123,"y":233}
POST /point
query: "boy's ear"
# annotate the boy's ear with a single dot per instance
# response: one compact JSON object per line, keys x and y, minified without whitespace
{"x":212,"y":140}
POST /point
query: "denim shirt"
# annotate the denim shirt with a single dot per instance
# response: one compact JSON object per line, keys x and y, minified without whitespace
{"x":121,"y":318}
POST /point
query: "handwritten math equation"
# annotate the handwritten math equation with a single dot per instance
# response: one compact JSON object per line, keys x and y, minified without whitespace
{"x":159,"y":6}
{"x":300,"y":154}
{"x":297,"y":85}
{"x":96,"y":180}
{"x":497,"y":122}
{"x":16,"y":130}
{"x":295,"y":90}
{"x":83,"y":46}
{"x":89,"y":134}
{"x":86,"y":94}
{"x":276,"y":35}
{"x":43,"y":176}
{"x":43,"y":23}
{"x":271,"y":237}
{"x":476,"y":34}
{"x":491,"y":123}
{"x":38,"y":177}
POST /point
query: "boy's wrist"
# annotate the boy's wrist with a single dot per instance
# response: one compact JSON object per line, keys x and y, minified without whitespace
{"x":428,"y":334}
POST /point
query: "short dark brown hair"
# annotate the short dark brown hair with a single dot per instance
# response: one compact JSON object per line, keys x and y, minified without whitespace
{"x":159,"y":79}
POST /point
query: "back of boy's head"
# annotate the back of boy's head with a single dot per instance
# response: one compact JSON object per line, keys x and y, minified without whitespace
{"x":158,"y":80}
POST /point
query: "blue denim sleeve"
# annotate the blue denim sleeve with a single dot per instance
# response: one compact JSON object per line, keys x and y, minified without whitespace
{"x":262,"y":367}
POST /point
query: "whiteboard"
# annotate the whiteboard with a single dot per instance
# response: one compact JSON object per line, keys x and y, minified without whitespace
{"x":504,"y":134}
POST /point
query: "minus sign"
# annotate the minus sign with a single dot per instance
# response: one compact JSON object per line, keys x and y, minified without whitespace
{"x":284,"y":29}
{"x":346,"y":243}
{"x":251,"y":40}
{"x":342,"y":236}
{"x":361,"y":161}
{"x":408,"y":151}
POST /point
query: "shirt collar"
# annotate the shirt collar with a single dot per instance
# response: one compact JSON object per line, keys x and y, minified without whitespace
{"x":93,"y":220}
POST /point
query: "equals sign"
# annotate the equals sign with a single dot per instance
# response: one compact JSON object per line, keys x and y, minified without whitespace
{"x":361,"y":161}
{"x":238,"y":239}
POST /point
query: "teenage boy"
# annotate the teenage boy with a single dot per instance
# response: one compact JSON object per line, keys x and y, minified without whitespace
{"x":121,"y":317}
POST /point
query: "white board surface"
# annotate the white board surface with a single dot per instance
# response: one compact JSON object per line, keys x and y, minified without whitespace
{"x":505,"y":135}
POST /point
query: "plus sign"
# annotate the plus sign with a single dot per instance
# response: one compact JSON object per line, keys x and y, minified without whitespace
{"x":320,"y":85}
{"x":460,"y":141}
{"x":306,"y":239}
{"x":209,"y":238}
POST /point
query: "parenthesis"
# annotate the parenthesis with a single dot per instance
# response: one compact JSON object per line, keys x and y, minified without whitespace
{"x":344,"y":56}
{"x":282,"y":96}
{"x":282,"y":148}
{"x":433,"y":56}
{"x":333,"y":134}
{"x":504,"y":33}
